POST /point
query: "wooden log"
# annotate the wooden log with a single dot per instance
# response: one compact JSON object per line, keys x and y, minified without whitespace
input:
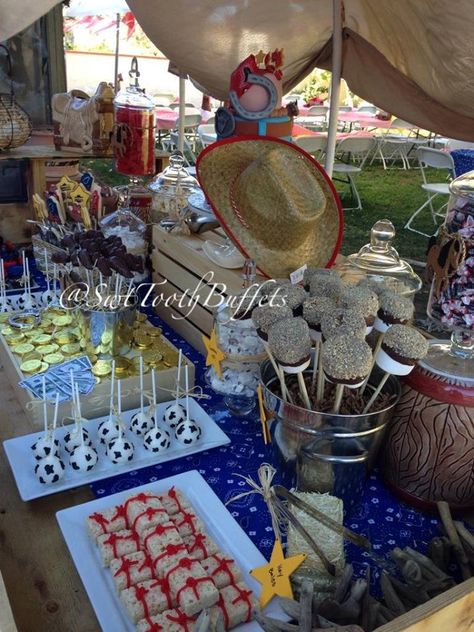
{"x":453,"y":535}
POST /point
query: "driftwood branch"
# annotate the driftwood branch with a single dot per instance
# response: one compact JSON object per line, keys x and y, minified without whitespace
{"x":453,"y":535}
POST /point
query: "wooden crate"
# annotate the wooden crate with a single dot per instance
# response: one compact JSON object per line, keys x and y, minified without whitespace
{"x":453,"y":611}
{"x":179,"y":264}
{"x":96,"y":404}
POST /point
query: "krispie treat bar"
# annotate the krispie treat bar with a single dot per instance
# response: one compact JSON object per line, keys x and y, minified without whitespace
{"x":156,"y":539}
{"x":174,"y":502}
{"x":187,"y":523}
{"x":149,"y":499}
{"x":117,"y":544}
{"x":200,"y":545}
{"x":236,"y":605}
{"x":222,"y":570}
{"x":190,"y":585}
{"x":131,"y":569}
{"x":108,"y":521}
{"x":146,"y":599}
{"x":142,"y":515}
{"x":168,"y":621}
{"x":168,"y":557}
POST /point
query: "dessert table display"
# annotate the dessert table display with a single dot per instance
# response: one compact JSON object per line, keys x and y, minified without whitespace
{"x":276,"y":519}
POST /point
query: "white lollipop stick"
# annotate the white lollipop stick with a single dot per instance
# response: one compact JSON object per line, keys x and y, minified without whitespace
{"x":55,"y":418}
{"x":153,"y":388}
{"x":141,"y":384}
{"x":46,"y":266}
{"x":73,"y":393}
{"x":119,"y":398}
{"x":112,"y":390}
{"x":338,"y":398}
{"x":186,"y":383}
{"x":45,"y":407}
{"x":78,"y":403}
{"x":376,"y":393}
{"x":178,"y":378}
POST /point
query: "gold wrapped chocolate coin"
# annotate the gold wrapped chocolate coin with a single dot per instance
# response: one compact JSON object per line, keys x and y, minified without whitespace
{"x":70,"y":349}
{"x":41,"y":339}
{"x":47,"y":349}
{"x":4,"y":316}
{"x":14,"y":339}
{"x":62,"y":321}
{"x":44,"y":367}
{"x":34,"y":355}
{"x":102,"y":368}
{"x":7,"y":330}
{"x":121,"y":365}
{"x":153,"y":332}
{"x":54,"y":358}
{"x":22,"y":349}
{"x":30,"y":366}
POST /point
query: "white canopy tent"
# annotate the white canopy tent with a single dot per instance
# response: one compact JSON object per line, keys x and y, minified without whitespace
{"x":411,"y":58}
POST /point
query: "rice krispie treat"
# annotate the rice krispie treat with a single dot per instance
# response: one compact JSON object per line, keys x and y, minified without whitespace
{"x":222,"y":570}
{"x":142,"y":517}
{"x":236,"y":604}
{"x":117,"y":544}
{"x":188,"y":523}
{"x":200,"y":545}
{"x":169,"y":621}
{"x":156,"y":539}
{"x":107,"y":521}
{"x":130,"y":569}
{"x":146,"y":598}
{"x":143,"y":498}
{"x":174,"y":501}
{"x":191,"y":586}
{"x":168,"y":557}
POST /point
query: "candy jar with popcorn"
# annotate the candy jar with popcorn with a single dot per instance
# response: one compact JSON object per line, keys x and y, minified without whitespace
{"x":240,"y":350}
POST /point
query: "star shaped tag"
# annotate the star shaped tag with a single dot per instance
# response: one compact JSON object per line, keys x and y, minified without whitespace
{"x":214,"y":354}
{"x":275,"y":576}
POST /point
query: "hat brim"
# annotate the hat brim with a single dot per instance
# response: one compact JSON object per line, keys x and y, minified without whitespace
{"x":217,"y":166}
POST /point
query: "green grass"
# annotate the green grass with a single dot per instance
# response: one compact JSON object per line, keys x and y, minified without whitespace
{"x":393,"y":194}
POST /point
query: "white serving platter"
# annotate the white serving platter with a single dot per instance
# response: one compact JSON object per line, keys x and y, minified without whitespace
{"x":221,"y":526}
{"x":22,"y":463}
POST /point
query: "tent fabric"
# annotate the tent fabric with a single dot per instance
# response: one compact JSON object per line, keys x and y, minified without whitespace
{"x":413,"y":58}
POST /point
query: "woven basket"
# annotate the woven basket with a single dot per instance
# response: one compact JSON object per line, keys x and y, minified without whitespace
{"x":15,"y":124}
{"x":39,"y":246}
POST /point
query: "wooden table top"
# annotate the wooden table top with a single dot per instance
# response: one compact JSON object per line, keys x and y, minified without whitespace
{"x":45,"y":591}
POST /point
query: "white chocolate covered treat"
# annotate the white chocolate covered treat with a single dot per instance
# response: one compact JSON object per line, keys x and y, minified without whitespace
{"x":200,"y":546}
{"x":108,"y":430}
{"x":222,"y":569}
{"x":141,"y":423}
{"x":131,"y":569}
{"x":290,"y":343}
{"x":394,"y":309}
{"x":346,"y":360}
{"x":72,"y":439}
{"x":402,"y":347}
{"x":157,"y":440}
{"x":45,"y":446}
{"x":339,"y":322}
{"x":107,"y":521}
{"x":49,"y":469}
{"x":83,"y":458}
{"x":174,"y":414}
{"x":188,"y":432}
{"x":190,"y":586}
{"x":147,"y":598}
{"x":120,"y":450}
{"x":117,"y":544}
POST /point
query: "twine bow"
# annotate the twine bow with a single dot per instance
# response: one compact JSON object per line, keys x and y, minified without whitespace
{"x":196,"y":392}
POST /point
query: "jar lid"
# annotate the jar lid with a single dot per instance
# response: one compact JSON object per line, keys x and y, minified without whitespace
{"x":463,"y":186}
{"x":379,"y":260}
{"x":135,"y":97}
{"x":444,"y":358}
{"x":122,"y":218}
{"x":175,"y":174}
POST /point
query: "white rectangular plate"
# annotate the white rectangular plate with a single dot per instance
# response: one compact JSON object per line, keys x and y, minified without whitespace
{"x":21,"y":459}
{"x":219,"y":523}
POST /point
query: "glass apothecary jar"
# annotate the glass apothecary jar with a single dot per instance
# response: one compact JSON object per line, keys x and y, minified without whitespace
{"x":131,"y":230}
{"x":171,"y":189}
{"x":380,"y":264}
{"x":238,"y":340}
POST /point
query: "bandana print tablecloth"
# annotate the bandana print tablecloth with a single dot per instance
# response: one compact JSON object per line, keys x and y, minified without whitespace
{"x":387,"y":522}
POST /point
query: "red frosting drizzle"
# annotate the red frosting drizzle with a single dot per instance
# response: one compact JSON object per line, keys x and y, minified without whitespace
{"x":101,"y":521}
{"x":169,"y":551}
{"x":184,"y":562}
{"x":223,"y":565}
{"x":147,"y":563}
{"x":160,"y":530}
{"x":174,"y":496}
{"x":113,"y":539}
{"x":181,"y":618}
{"x":221,"y":604}
{"x":148,"y":513}
{"x":140,"y":594}
{"x":120,"y":513}
{"x":142,"y":498}
{"x":199,"y":543}
{"x":125,"y":569}
{"x":193,"y":583}
{"x":165,"y":589}
{"x":153,"y":626}
{"x":244,"y":595}
{"x":188,"y":518}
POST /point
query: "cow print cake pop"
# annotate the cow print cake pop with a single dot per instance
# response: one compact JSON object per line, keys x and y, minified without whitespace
{"x":49,"y":470}
{"x":45,"y":446}
{"x":72,"y":439}
{"x":120,"y":450}
{"x":157,"y":440}
{"x":188,"y":432}
{"x":108,"y":430}
{"x":83,"y":458}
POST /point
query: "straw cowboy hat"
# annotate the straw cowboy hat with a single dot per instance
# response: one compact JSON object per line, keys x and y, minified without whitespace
{"x":274,"y":201}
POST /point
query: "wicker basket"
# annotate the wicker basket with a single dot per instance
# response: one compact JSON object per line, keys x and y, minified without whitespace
{"x":39,"y":247}
{"x":15,"y":124}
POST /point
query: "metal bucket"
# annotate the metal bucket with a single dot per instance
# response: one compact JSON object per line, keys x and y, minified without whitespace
{"x":295,"y":428}
{"x":107,"y":334}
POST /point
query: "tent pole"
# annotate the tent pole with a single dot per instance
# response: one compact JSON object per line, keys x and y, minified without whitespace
{"x":335,"y":85}
{"x":117,"y":47}
{"x":182,"y":112}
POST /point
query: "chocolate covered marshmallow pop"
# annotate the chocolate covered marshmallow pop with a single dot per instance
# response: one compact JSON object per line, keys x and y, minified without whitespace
{"x":311,"y":273}
{"x":339,"y":322}
{"x":330,"y":286}
{"x":290,"y":343}
{"x":347,"y":361}
{"x":363,"y":300}
{"x":402,"y":347}
{"x":314,"y":309}
{"x":293,"y":296}
{"x":394,"y":309}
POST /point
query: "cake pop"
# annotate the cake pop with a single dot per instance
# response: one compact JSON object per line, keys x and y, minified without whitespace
{"x":50,"y":469}
{"x":175,"y":413}
{"x":363,"y":300}
{"x":188,"y":431}
{"x":290,"y":343}
{"x":141,"y":422}
{"x":293,"y":296}
{"x":402,"y":347}
{"x":45,"y":445}
{"x":394,"y":309}
{"x":84,"y":457}
{"x":338,"y":322}
{"x":156,"y":439}
{"x":120,"y":449}
{"x":109,"y":429}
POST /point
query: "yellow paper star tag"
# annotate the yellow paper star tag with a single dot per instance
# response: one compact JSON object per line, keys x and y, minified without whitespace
{"x":214,"y":354}
{"x":275,"y":576}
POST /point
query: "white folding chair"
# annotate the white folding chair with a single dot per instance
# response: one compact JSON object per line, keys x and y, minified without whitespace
{"x":171,"y":144}
{"x":314,"y":145}
{"x":356,"y":149}
{"x":436,"y":159}
{"x":394,"y":145}
{"x":207,"y":134}
{"x":367,"y":109}
{"x":317,"y":115}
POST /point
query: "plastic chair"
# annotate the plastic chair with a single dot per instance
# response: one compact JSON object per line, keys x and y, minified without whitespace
{"x":314,"y":145}
{"x":207,"y":134}
{"x":367,"y":109}
{"x":358,"y":149}
{"x":436,"y":159}
{"x":318,"y":110}
{"x":393,"y":145}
